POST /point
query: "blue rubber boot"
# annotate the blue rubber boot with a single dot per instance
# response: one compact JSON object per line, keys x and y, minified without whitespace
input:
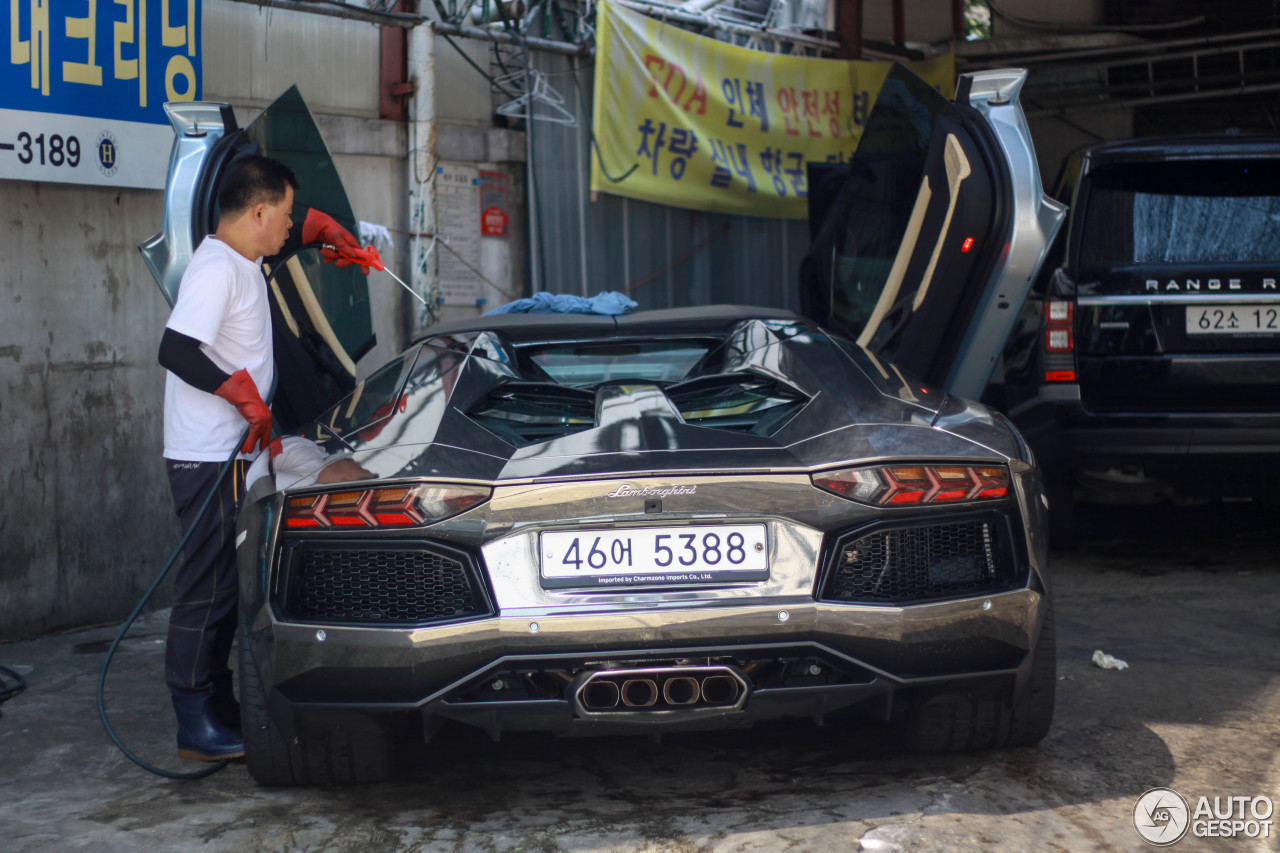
{"x":200,"y":735}
{"x":226,"y":710}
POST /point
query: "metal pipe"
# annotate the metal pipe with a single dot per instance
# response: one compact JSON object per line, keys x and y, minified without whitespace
{"x":347,"y":11}
{"x":719,"y":689}
{"x":1159,"y":99}
{"x":1140,"y":48}
{"x":663,"y":11}
{"x":698,"y":5}
{"x":600,"y":695}
{"x":681,"y":690}
{"x":501,"y":35}
{"x":639,"y":692}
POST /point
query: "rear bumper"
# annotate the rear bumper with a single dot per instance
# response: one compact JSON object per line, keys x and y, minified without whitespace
{"x":1210,"y":451}
{"x":500,"y":673}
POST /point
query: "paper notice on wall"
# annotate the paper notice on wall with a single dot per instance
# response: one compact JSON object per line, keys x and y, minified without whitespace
{"x":458,"y":227}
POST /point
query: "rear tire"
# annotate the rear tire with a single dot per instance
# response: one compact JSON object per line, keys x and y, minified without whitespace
{"x":338,"y":757}
{"x":990,"y":719}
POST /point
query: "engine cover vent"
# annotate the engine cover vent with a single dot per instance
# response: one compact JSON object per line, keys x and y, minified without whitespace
{"x":526,"y":413}
{"x":739,"y":402}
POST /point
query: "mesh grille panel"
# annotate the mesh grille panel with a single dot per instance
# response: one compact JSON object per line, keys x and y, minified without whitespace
{"x":910,"y":564}
{"x":380,"y":586}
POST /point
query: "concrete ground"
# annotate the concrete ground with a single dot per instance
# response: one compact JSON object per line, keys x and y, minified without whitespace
{"x":1187,"y":596}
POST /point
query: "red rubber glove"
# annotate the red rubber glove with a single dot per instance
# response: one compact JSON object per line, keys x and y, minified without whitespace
{"x":363,"y":258}
{"x":240,"y":392}
{"x":320,"y":227}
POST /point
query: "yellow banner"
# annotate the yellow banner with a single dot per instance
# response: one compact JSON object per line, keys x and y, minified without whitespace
{"x":695,"y":122}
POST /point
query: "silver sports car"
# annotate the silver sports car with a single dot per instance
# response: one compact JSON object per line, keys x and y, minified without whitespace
{"x":665,"y":521}
{"x":670,"y":520}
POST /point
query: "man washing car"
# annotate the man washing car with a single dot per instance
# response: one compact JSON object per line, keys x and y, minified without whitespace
{"x":217,"y":349}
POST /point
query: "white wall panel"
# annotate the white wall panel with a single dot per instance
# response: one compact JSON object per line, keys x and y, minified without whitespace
{"x":253,"y":54}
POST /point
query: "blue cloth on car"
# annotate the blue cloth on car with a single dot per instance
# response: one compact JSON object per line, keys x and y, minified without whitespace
{"x":542,"y":302}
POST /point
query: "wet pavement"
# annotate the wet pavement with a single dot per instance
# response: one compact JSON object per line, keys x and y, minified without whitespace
{"x":1187,"y":596}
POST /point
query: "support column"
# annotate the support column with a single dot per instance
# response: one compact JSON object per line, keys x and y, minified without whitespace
{"x":424,"y":271}
{"x":849,"y":28}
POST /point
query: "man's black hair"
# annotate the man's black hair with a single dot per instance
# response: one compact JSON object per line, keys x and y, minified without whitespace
{"x":252,"y":179}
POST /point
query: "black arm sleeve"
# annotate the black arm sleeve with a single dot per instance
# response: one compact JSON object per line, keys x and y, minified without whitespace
{"x":181,"y":355}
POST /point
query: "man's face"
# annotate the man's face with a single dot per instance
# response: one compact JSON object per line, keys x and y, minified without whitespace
{"x":276,"y":222}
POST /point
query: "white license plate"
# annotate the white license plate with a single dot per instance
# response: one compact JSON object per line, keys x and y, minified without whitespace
{"x":645,"y":556}
{"x":1233,"y":319}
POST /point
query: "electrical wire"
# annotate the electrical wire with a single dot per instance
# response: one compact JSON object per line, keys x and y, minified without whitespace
{"x":485,"y":74}
{"x":146,"y":597}
{"x":128,"y":623}
{"x":595,"y":146}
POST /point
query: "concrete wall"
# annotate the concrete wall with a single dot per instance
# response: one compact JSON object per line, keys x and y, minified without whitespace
{"x":1056,"y":138}
{"x":84,"y":507}
{"x":85,"y":513}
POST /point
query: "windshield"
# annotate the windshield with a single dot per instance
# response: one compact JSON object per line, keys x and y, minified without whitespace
{"x":886,"y":172}
{"x":287,"y":132}
{"x":1182,"y":213}
{"x":591,"y":364}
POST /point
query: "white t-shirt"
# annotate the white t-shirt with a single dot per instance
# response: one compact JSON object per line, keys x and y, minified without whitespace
{"x":222,"y":302}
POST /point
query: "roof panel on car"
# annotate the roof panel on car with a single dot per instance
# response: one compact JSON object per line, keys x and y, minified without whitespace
{"x":706,"y":319}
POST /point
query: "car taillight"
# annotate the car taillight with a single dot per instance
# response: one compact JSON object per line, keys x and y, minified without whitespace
{"x":904,"y":485}
{"x":381,"y":508}
{"x":1059,"y":311}
{"x":1059,"y":341}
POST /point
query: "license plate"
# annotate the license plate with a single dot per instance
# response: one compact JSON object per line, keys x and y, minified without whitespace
{"x":1233,"y":319}
{"x":648,"y":556}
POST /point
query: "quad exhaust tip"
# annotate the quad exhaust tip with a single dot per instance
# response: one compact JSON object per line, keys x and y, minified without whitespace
{"x":605,"y":691}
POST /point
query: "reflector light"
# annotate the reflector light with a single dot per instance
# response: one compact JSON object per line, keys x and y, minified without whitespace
{"x":1058,"y":339}
{"x":398,"y":506}
{"x":894,"y":485}
{"x":1060,"y":312}
{"x":1059,"y":376}
{"x":967,"y":244}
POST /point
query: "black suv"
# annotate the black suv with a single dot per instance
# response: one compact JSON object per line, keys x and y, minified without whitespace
{"x":1147,"y":358}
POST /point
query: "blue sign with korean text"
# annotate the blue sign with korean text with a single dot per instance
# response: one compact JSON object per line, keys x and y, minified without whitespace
{"x":83,"y":85}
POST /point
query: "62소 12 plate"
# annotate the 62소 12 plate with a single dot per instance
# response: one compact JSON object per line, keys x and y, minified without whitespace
{"x":645,"y":556}
{"x":1233,"y":319}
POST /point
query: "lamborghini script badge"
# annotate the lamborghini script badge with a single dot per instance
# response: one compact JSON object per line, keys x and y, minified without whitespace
{"x":626,"y":490}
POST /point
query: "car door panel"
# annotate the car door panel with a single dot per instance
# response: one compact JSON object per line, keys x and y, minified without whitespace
{"x":321,"y":318}
{"x":921,"y":255}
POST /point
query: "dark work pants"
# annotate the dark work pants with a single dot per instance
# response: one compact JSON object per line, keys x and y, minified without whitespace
{"x":203,"y":622}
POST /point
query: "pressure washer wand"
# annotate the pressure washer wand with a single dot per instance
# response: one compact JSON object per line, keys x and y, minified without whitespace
{"x":366,"y":258}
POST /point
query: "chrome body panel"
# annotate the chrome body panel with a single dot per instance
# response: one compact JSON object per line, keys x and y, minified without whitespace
{"x":860,"y":411}
{"x":428,"y":662}
{"x":198,"y":127}
{"x":1036,"y":219}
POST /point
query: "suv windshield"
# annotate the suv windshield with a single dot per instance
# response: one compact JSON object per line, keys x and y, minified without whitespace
{"x":1182,"y":213}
